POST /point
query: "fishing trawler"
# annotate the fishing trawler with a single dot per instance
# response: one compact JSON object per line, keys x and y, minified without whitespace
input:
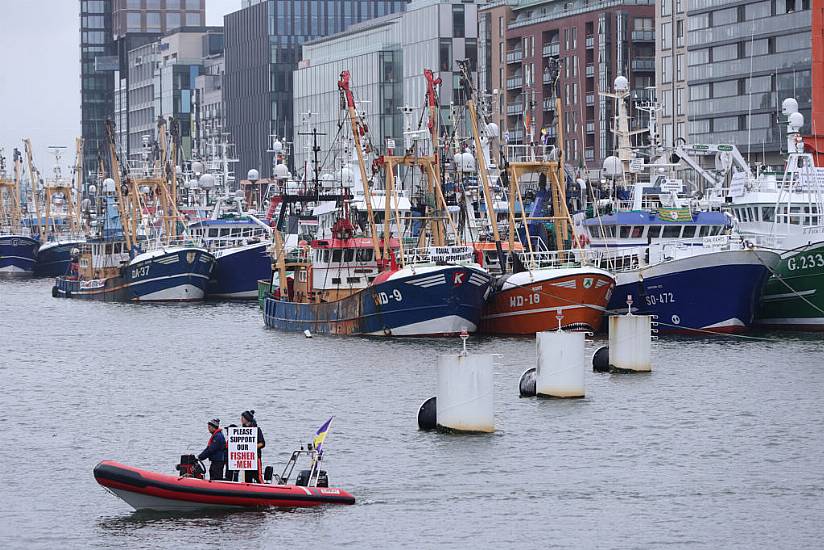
{"x":784,"y":211}
{"x":133,"y":258}
{"x":374,"y":285}
{"x":60,"y":231}
{"x":18,"y":248}
{"x":239,"y":242}
{"x":534,"y":286}
{"x":686,"y":267}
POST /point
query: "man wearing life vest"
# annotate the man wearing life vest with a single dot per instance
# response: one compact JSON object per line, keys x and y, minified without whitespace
{"x":215,"y":450}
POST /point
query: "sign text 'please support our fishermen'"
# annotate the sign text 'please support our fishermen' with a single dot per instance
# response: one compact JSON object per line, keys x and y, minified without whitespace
{"x":242,"y":448}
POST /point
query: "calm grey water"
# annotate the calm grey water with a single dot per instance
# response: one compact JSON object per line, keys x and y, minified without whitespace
{"x":721,"y":446}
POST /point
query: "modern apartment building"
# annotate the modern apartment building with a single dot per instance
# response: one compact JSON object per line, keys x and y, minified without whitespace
{"x":592,"y":42}
{"x":386,"y":58}
{"x":209,"y":121}
{"x":262,"y":49}
{"x":109,"y":29}
{"x":671,"y":69}
{"x":162,"y":82}
{"x":743,"y":60}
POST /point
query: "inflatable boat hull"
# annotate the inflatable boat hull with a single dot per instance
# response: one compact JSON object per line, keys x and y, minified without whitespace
{"x":145,"y":490}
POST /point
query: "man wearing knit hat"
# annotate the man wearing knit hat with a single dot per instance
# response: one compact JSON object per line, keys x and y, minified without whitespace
{"x":215,"y":451}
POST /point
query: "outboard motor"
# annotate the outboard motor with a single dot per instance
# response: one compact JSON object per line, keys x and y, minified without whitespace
{"x":303,"y":478}
{"x":190,"y":466}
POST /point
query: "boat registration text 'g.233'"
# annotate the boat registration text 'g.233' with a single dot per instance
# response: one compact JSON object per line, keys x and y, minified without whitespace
{"x":384,"y":297}
{"x":662,"y":298}
{"x":805,"y":261}
{"x":140,"y":271}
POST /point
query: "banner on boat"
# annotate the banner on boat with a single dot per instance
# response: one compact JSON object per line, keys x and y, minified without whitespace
{"x":242,"y":448}
{"x":450,"y":254}
{"x":675,"y":214}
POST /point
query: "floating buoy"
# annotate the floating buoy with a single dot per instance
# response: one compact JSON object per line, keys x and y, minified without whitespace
{"x":428,"y":415}
{"x":600,"y":359}
{"x":526,"y":387}
{"x":630,"y":343}
{"x":464,"y":401}
{"x":560,"y":371}
{"x":307,"y":333}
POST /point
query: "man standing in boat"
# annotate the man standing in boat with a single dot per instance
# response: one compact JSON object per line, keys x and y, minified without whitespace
{"x":215,"y":451}
{"x":247,"y":420}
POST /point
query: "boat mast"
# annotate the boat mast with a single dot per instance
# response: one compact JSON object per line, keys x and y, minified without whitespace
{"x":33,"y":183}
{"x":469,"y":91}
{"x":345,"y":90}
{"x":78,"y":177}
{"x":116,"y":175}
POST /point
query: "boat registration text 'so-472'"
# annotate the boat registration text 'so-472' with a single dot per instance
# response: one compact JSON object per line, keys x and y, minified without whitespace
{"x":662,"y":298}
{"x":805,"y":261}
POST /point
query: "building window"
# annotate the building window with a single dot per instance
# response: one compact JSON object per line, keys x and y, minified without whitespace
{"x":679,"y":67}
{"x":133,"y":22}
{"x":724,"y":17}
{"x":666,"y":35}
{"x":699,"y":91}
{"x":458,"y":21}
{"x":679,"y":33}
{"x":172,"y":20}
{"x":500,"y":27}
{"x":193,"y":20}
{"x":725,"y":88}
{"x":758,"y":10}
{"x":153,"y":21}
{"x":696,"y":22}
{"x":699,"y":57}
{"x":192,"y":4}
{"x":725,"y":53}
{"x":725,"y":124}
{"x":679,"y":94}
{"x":666,"y":69}
{"x":445,"y":55}
{"x":666,"y":7}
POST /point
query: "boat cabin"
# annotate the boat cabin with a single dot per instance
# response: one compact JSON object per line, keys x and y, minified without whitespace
{"x":229,"y":226}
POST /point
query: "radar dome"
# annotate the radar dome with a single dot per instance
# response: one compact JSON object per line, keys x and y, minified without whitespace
{"x":206,"y":181}
{"x":281,"y":171}
{"x":144,"y":190}
{"x":789,"y":106}
{"x":492,"y":130}
{"x":92,"y":189}
{"x":467,"y":162}
{"x":197,"y":168}
{"x":253,"y":175}
{"x":621,"y":84}
{"x":346,"y":175}
{"x":612,"y":166}
{"x":108,"y":185}
{"x":277,"y":146}
{"x":796,"y":120}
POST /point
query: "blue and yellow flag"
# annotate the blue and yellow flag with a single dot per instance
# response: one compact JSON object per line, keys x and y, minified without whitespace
{"x":320,"y":435}
{"x":675,"y":214}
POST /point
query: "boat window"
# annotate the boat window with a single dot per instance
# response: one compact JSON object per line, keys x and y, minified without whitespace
{"x":224,"y":232}
{"x":690,"y":231}
{"x":213,"y":232}
{"x":337,"y":255}
{"x":353,"y":280}
{"x":624,"y":231}
{"x":364,"y":255}
{"x":637,"y":230}
{"x":671,"y":231}
{"x":654,"y":232}
{"x":768,"y":213}
{"x":349,"y":255}
{"x":108,"y":249}
{"x":716,"y":230}
{"x":302,"y":276}
{"x":326,"y":256}
{"x":704,"y":230}
{"x":335,"y":280}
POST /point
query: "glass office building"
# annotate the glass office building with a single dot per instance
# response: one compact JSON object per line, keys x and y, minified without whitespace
{"x":262,"y":49}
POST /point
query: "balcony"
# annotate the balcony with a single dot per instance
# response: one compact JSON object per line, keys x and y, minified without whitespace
{"x":590,"y":99}
{"x":645,"y":64}
{"x":515,"y":56}
{"x":549,"y":104}
{"x":590,"y":71}
{"x":518,"y":82}
{"x":515,"y":109}
{"x":590,"y":42}
{"x":643,"y":94}
{"x":547,"y":78}
{"x":553,"y":49}
{"x":643,"y":36}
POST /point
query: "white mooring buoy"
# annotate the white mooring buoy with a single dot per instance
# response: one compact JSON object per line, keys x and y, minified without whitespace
{"x":630,"y":342}
{"x":464,"y":401}
{"x":560,"y":371}
{"x":307,"y":333}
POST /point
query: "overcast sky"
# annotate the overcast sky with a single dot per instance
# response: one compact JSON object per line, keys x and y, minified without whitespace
{"x":40,"y":73}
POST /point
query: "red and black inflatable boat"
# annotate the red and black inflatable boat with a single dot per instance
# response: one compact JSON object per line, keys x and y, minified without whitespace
{"x":145,"y":490}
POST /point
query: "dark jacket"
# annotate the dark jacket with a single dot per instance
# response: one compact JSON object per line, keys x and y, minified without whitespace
{"x":216,"y":448}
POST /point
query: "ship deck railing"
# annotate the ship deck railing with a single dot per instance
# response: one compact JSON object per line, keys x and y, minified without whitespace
{"x":532,"y":153}
{"x":551,"y":259}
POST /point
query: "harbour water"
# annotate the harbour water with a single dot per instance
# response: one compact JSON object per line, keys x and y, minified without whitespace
{"x":719,"y":447}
